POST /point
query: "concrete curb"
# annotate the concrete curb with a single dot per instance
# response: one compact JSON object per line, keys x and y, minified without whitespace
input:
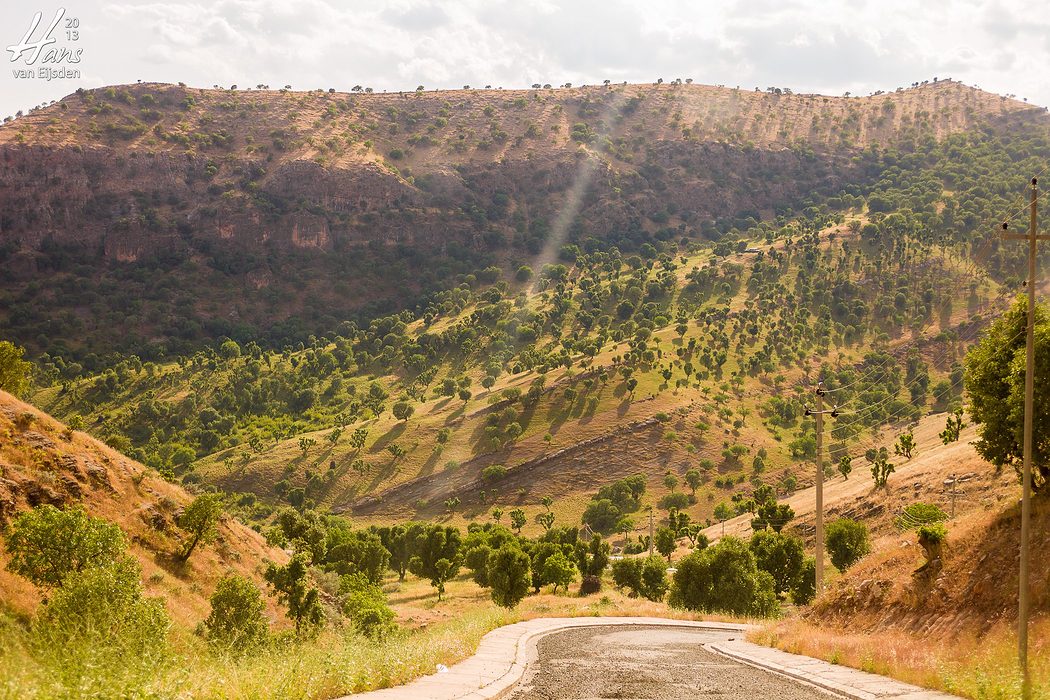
{"x":504,"y":653}
{"x":840,"y":680}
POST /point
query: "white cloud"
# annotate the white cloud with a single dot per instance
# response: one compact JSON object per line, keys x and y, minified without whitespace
{"x":856,"y":45}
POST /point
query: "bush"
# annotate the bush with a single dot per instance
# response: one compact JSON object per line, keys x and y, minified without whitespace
{"x":918,"y":514}
{"x":724,"y":578}
{"x":493,"y":472}
{"x":602,"y":516}
{"x":805,"y":586}
{"x":101,"y":611}
{"x":654,"y":579}
{"x":366,"y":606}
{"x":674,"y":500}
{"x":846,"y":541}
{"x":589,"y":585}
{"x":236,"y":622}
{"x":641,"y":577}
{"x":509,"y":575}
{"x":47,"y":545}
{"x":933,"y":534}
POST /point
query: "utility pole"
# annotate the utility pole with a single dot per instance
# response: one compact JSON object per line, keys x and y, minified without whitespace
{"x":1029,"y":414}
{"x":819,"y":413}
{"x":650,"y":531}
{"x":950,"y":482}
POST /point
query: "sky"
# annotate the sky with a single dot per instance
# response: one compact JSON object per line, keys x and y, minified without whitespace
{"x":808,"y":46}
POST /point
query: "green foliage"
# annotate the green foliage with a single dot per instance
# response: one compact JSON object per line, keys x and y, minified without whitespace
{"x":478,"y":546}
{"x":559,"y":570}
{"x":995,"y":381}
{"x":845,"y":466}
{"x":509,"y":575}
{"x":780,"y":555}
{"x":804,"y":588}
{"x":403,"y":410}
{"x":665,"y":542}
{"x":905,"y":445}
{"x":237,"y":621}
{"x":290,"y":583}
{"x":356,"y":552}
{"x":99,"y":616}
{"x":724,"y":578}
{"x":437,"y":555}
{"x":641,"y":577}
{"x":200,"y":520}
{"x":602,"y":516}
{"x":881,"y":468}
{"x":932,"y":534}
{"x":493,"y":472}
{"x":915,"y":515}
{"x":846,"y":541}
{"x":952,"y":428}
{"x":47,"y":545}
{"x":366,"y":606}
{"x":518,"y":519}
{"x":15,"y":372}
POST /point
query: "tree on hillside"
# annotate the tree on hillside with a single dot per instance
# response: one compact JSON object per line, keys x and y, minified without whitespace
{"x":47,"y":545}
{"x":200,"y":520}
{"x":559,"y":570}
{"x":995,"y":379}
{"x":14,"y":371}
{"x":694,"y":479}
{"x":845,"y":466}
{"x":881,"y":468}
{"x":782,"y":556}
{"x":905,"y":445}
{"x":293,"y":590}
{"x":952,"y":428}
{"x":518,"y":519}
{"x":846,"y":541}
{"x":723,"y":512}
{"x":724,"y":578}
{"x":665,"y":542}
{"x":403,"y":410}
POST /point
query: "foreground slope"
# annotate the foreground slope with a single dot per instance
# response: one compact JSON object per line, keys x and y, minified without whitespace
{"x":43,"y":462}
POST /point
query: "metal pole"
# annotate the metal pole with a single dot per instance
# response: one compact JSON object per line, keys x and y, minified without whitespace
{"x":1026,"y":479}
{"x":820,"y":489}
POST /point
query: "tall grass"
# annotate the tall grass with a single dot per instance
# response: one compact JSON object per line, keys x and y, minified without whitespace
{"x":982,"y":667}
{"x":337,"y":662}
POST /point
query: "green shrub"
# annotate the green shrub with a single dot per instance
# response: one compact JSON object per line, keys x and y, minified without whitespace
{"x":493,"y":472}
{"x":366,"y":606}
{"x":804,"y":587}
{"x":933,"y":534}
{"x":641,"y":577}
{"x":846,"y":541}
{"x":918,"y":514}
{"x":724,"y":578}
{"x":101,"y":611}
{"x":509,"y":575}
{"x":47,"y":545}
{"x":654,"y":579}
{"x":559,"y":570}
{"x":237,"y":622}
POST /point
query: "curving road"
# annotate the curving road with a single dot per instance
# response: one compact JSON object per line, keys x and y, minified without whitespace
{"x":657,"y":663}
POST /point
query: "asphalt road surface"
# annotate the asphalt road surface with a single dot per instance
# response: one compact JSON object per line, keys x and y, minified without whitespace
{"x":656,"y":663}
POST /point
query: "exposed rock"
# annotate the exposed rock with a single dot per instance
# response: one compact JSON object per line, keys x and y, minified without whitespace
{"x":38,"y":440}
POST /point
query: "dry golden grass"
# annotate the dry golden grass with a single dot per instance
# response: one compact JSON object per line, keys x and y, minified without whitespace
{"x":983,"y":667}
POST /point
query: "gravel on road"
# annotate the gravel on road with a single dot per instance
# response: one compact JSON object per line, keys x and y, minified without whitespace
{"x":656,"y":663}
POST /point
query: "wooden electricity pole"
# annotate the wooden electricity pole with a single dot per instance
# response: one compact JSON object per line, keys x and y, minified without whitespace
{"x":819,"y":413}
{"x":1029,"y":414}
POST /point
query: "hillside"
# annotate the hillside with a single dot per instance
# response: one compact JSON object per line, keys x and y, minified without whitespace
{"x":180,"y":215}
{"x":955,"y":630}
{"x":43,"y":462}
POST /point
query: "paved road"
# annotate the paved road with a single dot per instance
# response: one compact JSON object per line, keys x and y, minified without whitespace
{"x":647,"y":662}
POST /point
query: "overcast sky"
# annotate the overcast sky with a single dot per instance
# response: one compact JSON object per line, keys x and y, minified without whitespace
{"x":801,"y":44}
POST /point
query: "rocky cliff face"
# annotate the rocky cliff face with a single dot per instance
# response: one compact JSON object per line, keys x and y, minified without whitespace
{"x":303,"y":209}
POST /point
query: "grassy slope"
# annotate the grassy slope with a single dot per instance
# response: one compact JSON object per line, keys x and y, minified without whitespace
{"x":38,"y":456}
{"x":957,"y":632}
